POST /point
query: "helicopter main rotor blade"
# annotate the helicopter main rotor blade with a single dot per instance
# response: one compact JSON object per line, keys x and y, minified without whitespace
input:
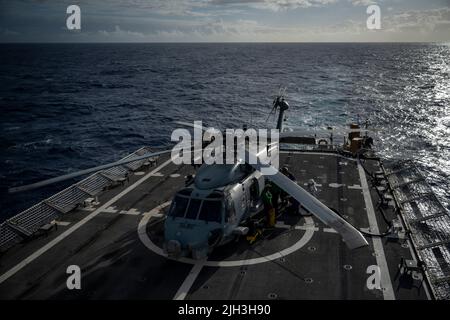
{"x":191,"y":125}
{"x":196,"y":126}
{"x":203,"y":128}
{"x":351,"y":236}
{"x":312,"y":132}
{"x":271,"y":111}
{"x":297,"y":133}
{"x":84,"y":172}
{"x":345,"y":130}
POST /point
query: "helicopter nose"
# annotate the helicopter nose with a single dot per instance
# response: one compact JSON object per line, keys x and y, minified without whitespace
{"x":173,"y":248}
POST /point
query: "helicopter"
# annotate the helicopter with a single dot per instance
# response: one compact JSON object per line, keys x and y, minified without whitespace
{"x":213,"y":206}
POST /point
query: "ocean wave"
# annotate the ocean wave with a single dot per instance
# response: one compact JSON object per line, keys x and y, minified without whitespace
{"x":99,"y":107}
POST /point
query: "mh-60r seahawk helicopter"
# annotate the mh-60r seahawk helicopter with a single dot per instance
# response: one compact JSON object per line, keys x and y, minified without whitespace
{"x":212,"y":208}
{"x":215,"y":204}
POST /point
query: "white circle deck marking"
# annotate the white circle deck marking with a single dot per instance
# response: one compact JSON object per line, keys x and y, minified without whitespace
{"x":143,"y":236}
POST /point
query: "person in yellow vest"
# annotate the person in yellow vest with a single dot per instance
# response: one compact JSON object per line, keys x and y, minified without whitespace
{"x":269,"y":209}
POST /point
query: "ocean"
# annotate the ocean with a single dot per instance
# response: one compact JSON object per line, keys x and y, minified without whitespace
{"x":66,"y":107}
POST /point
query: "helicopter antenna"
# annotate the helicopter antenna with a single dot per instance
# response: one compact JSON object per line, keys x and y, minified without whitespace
{"x":270,"y":113}
{"x":315,"y":126}
{"x":279,"y":102}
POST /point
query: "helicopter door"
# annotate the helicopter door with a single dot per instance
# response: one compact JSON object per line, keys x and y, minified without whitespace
{"x":230,"y":211}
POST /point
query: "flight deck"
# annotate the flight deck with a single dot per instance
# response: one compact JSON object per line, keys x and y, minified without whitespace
{"x":116,"y":241}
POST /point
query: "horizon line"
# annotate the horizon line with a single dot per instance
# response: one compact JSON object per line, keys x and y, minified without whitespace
{"x":225,"y":42}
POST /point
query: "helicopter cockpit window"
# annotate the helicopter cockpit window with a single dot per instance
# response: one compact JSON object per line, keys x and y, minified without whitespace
{"x":192,"y":210}
{"x":185,"y":192}
{"x":178,"y":207}
{"x":246,"y":168}
{"x":211,"y":211}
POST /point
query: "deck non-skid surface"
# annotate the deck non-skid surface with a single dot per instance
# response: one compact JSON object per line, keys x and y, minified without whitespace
{"x":300,"y":259}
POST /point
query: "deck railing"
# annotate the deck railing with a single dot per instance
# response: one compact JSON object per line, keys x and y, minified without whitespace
{"x":427,"y":220}
{"x":25,"y":224}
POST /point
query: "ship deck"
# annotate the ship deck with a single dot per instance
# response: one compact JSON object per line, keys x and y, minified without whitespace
{"x":116,"y":244}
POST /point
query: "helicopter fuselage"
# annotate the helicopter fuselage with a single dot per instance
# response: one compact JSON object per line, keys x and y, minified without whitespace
{"x":210,"y":211}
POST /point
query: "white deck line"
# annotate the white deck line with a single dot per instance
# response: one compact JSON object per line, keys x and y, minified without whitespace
{"x":386,"y":284}
{"x":317,"y":154}
{"x":189,"y":281}
{"x":80,"y":223}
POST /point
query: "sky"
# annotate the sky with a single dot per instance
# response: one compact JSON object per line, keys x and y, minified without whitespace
{"x":225,"y":21}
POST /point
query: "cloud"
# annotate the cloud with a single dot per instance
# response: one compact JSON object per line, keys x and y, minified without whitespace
{"x":7,"y":32}
{"x":227,"y":20}
{"x":165,"y":7}
{"x":276,"y":5}
{"x":362,"y":2}
{"x":424,"y":21}
{"x":199,"y":31}
{"x":193,"y":7}
{"x":120,"y":35}
{"x":428,"y":25}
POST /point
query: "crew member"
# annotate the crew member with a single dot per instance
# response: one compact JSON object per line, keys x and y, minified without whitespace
{"x":276,"y":194}
{"x":269,"y":209}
